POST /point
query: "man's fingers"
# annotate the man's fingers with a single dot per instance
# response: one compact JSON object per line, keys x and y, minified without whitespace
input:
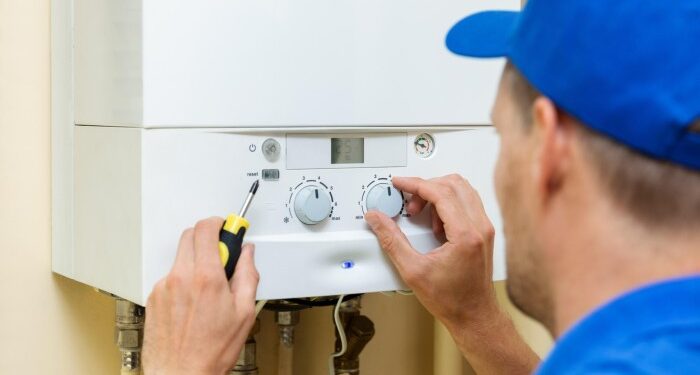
{"x":244,"y":283}
{"x":206,"y":244}
{"x":184,"y":260}
{"x":418,"y":187}
{"x":393,"y":241}
{"x":478,"y":213}
{"x":471,"y":200}
{"x":456,"y":202}
{"x":438,"y":228}
{"x":418,"y":199}
{"x":443,"y":198}
{"x":415,"y":205}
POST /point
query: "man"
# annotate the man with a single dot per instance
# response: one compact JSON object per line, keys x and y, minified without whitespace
{"x":598,"y":180}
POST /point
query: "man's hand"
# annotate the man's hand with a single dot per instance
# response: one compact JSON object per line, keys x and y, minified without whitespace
{"x":454,"y":281}
{"x":196,"y":320}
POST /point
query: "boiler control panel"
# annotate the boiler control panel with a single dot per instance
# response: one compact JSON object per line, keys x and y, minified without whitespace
{"x":307,"y":220}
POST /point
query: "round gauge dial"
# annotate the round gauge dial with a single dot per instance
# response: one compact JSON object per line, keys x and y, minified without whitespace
{"x":424,"y":145}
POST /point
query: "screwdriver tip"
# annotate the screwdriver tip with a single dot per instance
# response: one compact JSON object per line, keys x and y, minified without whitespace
{"x":254,"y":188}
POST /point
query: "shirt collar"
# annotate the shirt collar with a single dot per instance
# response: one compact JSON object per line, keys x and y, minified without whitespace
{"x":651,"y":307}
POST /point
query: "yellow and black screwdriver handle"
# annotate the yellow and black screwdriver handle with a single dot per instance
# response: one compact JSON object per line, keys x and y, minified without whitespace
{"x":231,"y":242}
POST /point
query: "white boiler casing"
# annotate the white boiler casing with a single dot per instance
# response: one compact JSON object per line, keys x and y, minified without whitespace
{"x":163,"y":112}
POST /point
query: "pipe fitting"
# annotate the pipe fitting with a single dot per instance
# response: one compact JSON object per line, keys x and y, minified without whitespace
{"x":128,"y":334}
{"x":359,"y":330}
{"x":286,"y":321}
{"x":247,"y":363}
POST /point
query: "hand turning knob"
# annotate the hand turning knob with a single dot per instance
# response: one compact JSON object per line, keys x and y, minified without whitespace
{"x":385,"y":198}
{"x":312,"y":205}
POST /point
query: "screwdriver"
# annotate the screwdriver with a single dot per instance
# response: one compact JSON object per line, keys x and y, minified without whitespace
{"x":232,"y":232}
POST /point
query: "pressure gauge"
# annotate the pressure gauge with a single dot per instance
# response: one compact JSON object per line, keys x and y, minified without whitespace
{"x":424,"y":145}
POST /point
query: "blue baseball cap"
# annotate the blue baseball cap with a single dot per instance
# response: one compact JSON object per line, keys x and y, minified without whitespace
{"x":627,"y":69}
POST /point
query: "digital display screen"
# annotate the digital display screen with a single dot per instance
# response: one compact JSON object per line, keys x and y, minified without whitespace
{"x":347,"y":150}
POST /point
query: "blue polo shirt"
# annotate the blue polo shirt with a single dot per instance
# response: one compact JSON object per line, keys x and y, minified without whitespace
{"x":651,"y":330}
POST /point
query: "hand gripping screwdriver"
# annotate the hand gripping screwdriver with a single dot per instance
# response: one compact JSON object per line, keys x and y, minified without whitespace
{"x":231,"y":234}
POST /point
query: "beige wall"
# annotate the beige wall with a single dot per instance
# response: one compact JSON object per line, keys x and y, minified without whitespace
{"x":54,"y":325}
{"x":49,"y":324}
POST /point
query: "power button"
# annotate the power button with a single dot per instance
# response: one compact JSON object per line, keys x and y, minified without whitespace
{"x":271,"y":149}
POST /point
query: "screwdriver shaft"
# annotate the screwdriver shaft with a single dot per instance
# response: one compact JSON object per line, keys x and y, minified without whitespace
{"x":249,"y":198}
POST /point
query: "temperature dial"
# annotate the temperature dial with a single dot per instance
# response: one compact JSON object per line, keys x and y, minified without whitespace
{"x":385,"y":198}
{"x":312,"y":205}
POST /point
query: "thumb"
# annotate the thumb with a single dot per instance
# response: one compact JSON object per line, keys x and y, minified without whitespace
{"x":394,"y":242}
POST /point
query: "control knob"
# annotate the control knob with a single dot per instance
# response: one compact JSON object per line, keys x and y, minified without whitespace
{"x":312,"y":205}
{"x":385,"y":198}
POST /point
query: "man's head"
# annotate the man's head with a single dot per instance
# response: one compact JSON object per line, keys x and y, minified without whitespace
{"x":599,"y":167}
{"x":540,"y":145}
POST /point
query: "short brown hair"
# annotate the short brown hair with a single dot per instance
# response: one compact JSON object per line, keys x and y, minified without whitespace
{"x":656,"y":193}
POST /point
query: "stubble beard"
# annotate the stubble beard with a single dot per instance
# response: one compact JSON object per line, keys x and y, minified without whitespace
{"x":526,"y":283}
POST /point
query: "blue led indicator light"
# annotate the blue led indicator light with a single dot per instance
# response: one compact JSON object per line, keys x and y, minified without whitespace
{"x":348,"y":264}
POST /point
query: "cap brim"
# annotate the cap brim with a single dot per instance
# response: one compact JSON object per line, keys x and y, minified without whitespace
{"x":484,"y":34}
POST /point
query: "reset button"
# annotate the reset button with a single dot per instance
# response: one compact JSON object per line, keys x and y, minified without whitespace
{"x":270,"y":174}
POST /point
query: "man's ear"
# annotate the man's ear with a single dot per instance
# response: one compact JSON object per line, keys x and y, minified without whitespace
{"x":552,"y":133}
